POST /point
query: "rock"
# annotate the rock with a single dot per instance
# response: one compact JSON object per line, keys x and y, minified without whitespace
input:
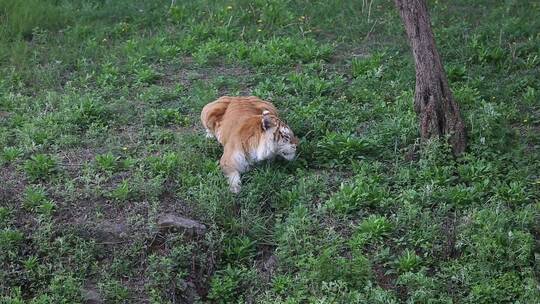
{"x":188,"y":294}
{"x":91,"y":296}
{"x":183,"y":224}
{"x":268,"y":267}
{"x":104,"y":232}
{"x":270,"y":264}
{"x":113,"y":231}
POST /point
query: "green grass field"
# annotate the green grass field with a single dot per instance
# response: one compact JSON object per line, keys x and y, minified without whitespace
{"x":100,"y":136}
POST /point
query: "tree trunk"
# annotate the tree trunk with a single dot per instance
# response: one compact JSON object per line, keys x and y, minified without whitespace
{"x":433,"y":101}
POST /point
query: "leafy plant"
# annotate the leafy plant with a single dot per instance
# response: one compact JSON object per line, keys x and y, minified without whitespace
{"x":408,"y":261}
{"x":10,"y":239}
{"x":339,"y":149}
{"x":367,"y":66}
{"x":47,"y":207}
{"x":146,"y":75}
{"x":10,"y":154}
{"x":122,"y":192}
{"x":34,"y":196}
{"x":505,"y":288}
{"x":40,"y":167}
{"x":4,"y":216}
{"x":227,"y":283}
{"x":115,"y":292}
{"x":164,"y":117}
{"x":372,"y":229}
{"x":88,"y":112}
{"x":239,"y":250}
{"x":107,"y":162}
{"x":362,"y":192}
{"x":167,"y":164}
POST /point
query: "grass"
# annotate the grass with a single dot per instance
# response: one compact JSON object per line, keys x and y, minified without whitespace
{"x":100,"y":135}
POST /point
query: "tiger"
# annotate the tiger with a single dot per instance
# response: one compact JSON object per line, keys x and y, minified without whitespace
{"x":250,"y":131}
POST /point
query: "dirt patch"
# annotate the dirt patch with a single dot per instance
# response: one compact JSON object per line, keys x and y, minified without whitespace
{"x":188,"y":73}
{"x":4,"y":115}
{"x":448,"y":228}
{"x":387,"y":280}
{"x":12,"y":184}
{"x":73,"y":160}
{"x":267,"y":262}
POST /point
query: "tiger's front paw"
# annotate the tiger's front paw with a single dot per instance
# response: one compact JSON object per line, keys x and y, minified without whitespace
{"x":209,"y":134}
{"x":235,"y":189}
{"x":234,"y":182}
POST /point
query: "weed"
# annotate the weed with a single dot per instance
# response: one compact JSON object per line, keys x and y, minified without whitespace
{"x":34,"y":196}
{"x":367,"y":67}
{"x":122,"y":192}
{"x":4,"y":216}
{"x":168,"y":164}
{"x":46,"y":208}
{"x":10,"y":238}
{"x":281,"y":284}
{"x":9,"y":154}
{"x":372,"y":229}
{"x":456,"y":73}
{"x":170,"y":269}
{"x":109,"y":75}
{"x":146,"y":75}
{"x":408,"y":261}
{"x":506,"y":288}
{"x":107,"y":162}
{"x":339,"y":149}
{"x":363,"y":192}
{"x":227,"y":283}
{"x":40,"y":167}
{"x":328,"y":267}
{"x":239,"y":249}
{"x":164,"y":117}
{"x":160,"y":136}
{"x":115,"y":292}
{"x":88,"y":112}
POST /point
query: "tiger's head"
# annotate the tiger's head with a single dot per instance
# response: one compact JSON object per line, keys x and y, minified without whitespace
{"x":284,"y":142}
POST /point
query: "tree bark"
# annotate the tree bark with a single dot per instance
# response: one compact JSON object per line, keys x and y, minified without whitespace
{"x":434,"y":103}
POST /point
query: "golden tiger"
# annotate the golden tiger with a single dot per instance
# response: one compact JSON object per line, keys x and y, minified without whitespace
{"x":250,"y":131}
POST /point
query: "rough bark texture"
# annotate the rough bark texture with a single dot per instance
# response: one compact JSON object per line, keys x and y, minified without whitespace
{"x":433,"y":101}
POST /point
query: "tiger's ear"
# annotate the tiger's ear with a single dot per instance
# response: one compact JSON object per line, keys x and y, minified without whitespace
{"x":266,"y":121}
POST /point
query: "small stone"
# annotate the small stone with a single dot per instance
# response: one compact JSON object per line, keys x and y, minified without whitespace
{"x":172,"y":221}
{"x":103,"y":232}
{"x":188,"y":292}
{"x":91,"y":296}
{"x":270,"y":264}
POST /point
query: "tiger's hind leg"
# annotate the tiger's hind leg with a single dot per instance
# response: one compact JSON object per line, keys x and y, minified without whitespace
{"x":212,"y":114}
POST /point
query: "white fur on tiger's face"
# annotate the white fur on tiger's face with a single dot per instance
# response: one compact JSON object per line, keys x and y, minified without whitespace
{"x":286,"y":143}
{"x":250,"y":131}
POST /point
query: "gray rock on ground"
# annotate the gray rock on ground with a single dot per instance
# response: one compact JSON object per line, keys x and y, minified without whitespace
{"x":180,"y":223}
